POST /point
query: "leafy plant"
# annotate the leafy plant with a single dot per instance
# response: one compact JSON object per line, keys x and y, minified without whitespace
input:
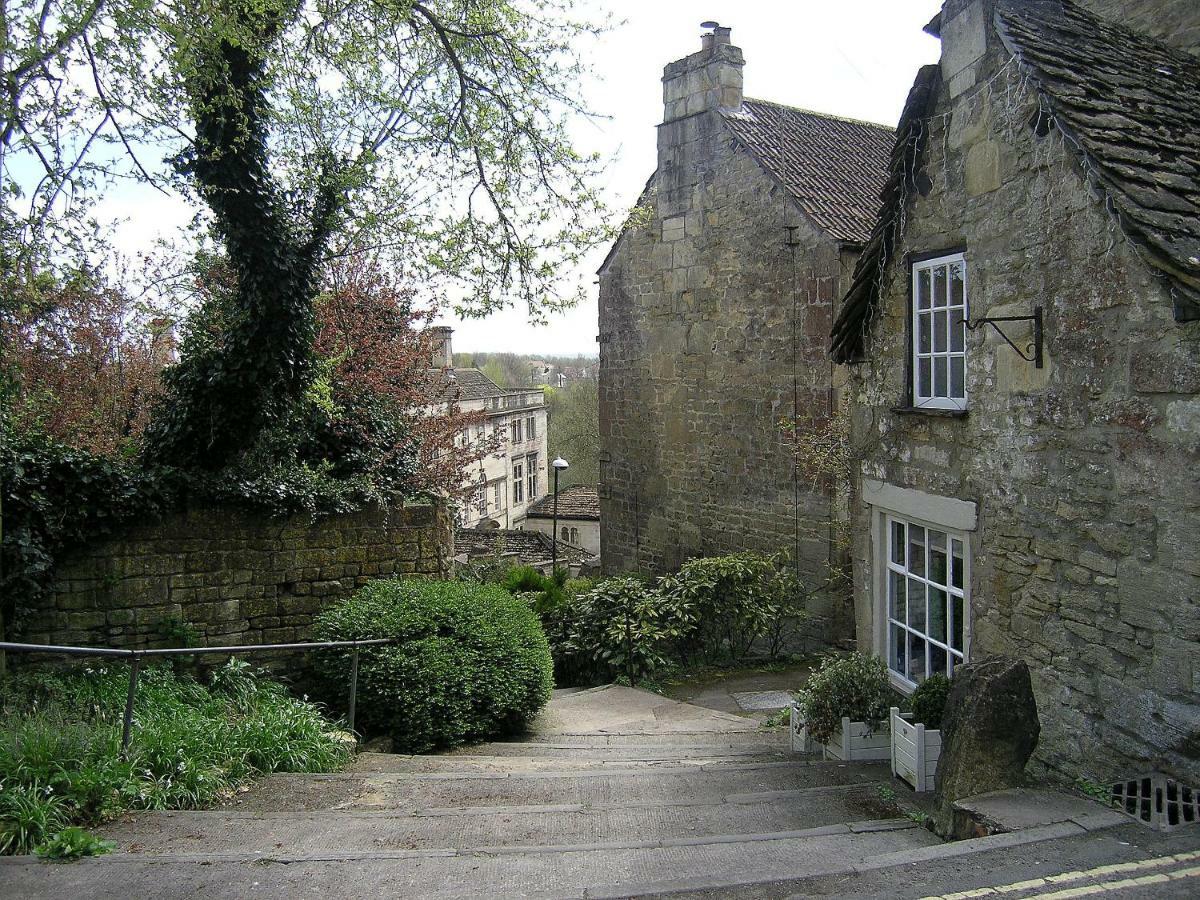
{"x":855,"y":686}
{"x":929,"y":700}
{"x":60,"y":761}
{"x":73,"y":842}
{"x":472,"y":662}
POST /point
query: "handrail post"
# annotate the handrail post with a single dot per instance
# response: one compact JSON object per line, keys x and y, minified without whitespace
{"x":127,"y":725}
{"x":353,"y":686}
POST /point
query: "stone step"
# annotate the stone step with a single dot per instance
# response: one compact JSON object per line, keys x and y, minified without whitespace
{"x":565,"y":871}
{"x":773,"y":739}
{"x":484,"y":828}
{"x":562,"y":760}
{"x":639,"y":783}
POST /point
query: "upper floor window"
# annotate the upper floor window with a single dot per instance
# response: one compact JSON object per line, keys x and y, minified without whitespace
{"x":497,"y":496}
{"x":531,"y":465}
{"x":518,"y":482}
{"x":939,"y":333}
{"x":531,"y":428}
{"x":516,"y":431}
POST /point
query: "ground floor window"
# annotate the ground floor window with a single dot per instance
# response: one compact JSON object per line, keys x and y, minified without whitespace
{"x":518,"y":482}
{"x":927,"y":602}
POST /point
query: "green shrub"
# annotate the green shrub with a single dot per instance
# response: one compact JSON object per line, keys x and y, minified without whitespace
{"x":624,"y":626}
{"x":854,"y":686}
{"x":725,"y":606}
{"x":473,"y":663}
{"x":929,"y":700}
{"x":73,"y":842}
{"x":60,"y":739}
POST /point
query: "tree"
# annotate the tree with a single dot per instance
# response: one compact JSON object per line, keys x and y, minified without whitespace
{"x":573,"y":430}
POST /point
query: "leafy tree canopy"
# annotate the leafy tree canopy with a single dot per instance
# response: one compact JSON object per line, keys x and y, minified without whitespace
{"x":431,"y":132}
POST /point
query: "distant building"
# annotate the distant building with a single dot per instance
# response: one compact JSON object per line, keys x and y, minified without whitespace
{"x":578,"y":517}
{"x":508,"y":480}
{"x":515,"y":547}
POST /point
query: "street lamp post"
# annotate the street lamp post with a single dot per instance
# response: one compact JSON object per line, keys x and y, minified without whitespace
{"x":558,"y":465}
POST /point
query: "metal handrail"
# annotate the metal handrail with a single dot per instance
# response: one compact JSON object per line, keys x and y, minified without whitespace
{"x":135,"y":657}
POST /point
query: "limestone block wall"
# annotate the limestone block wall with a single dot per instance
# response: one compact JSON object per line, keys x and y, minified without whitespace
{"x":699,"y":362}
{"x":234,"y":577}
{"x":1085,"y":560}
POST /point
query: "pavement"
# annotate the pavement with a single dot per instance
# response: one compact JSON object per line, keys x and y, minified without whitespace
{"x":616,"y":792}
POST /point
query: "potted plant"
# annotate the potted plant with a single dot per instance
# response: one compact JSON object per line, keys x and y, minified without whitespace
{"x":916,"y":736}
{"x":844,"y":709}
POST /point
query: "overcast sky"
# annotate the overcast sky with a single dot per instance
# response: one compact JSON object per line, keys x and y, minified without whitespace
{"x":854,"y":58}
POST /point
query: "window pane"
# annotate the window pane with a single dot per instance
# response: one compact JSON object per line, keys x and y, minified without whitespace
{"x":958,"y":294}
{"x":897,"y":650}
{"x":956,"y":629}
{"x":896,"y":603}
{"x":958,"y":331}
{"x":937,"y":660}
{"x":924,"y":333}
{"x":898,"y":542}
{"x":937,"y":557}
{"x":916,"y":604}
{"x":916,"y":658}
{"x":940,"y":387}
{"x":923,"y":289}
{"x":923,"y":385}
{"x":958,"y":384}
{"x":937,"y":614}
{"x":939,"y":332}
{"x":956,"y":576}
{"x":939,"y":286}
{"x":916,"y":550}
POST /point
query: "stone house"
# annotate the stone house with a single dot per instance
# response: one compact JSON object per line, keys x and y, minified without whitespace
{"x":1023,"y":351}
{"x":511,"y":477}
{"x":578,"y":517}
{"x":715,"y":304}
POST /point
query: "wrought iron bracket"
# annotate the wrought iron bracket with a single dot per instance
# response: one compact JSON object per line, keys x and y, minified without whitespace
{"x":1034,"y":349}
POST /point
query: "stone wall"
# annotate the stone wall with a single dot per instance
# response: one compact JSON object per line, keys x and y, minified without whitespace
{"x":699,"y":364}
{"x":232,"y":576}
{"x":1085,"y":560}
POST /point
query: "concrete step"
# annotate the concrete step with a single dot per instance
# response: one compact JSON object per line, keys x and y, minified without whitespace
{"x":640,"y":783}
{"x":770,"y":739}
{"x":582,"y":761}
{"x":565,"y":871}
{"x":485,"y":828}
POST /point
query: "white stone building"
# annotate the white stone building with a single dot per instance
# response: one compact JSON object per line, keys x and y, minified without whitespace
{"x":509,"y":480}
{"x":578,"y":519}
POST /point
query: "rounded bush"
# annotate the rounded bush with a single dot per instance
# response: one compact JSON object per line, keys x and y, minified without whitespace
{"x":929,"y":700}
{"x":472,"y":662}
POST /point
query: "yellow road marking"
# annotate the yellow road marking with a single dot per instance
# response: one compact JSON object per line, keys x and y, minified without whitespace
{"x":1081,"y":875}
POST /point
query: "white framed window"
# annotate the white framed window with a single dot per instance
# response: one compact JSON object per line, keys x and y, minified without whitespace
{"x":516,"y":431}
{"x":939,"y":363}
{"x":518,"y":482}
{"x":481,"y":499}
{"x":498,"y":495}
{"x":531,"y":428}
{"x":531,"y":468}
{"x":926,"y":578}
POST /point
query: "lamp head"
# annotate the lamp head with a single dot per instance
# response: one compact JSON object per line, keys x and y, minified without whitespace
{"x":560,"y":463}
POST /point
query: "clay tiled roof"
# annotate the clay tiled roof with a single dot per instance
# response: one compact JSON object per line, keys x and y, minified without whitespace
{"x":526,"y":546}
{"x":834,"y":168}
{"x":1130,"y":106}
{"x":467,"y":384}
{"x":576,"y":502}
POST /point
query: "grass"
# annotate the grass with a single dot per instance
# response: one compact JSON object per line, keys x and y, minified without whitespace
{"x":192,"y":745}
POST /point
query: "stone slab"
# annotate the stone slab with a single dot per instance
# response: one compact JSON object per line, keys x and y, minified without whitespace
{"x":761,"y":700}
{"x":1020,"y":808}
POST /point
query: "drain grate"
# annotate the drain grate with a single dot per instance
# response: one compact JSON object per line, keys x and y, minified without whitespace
{"x":1157,"y":800}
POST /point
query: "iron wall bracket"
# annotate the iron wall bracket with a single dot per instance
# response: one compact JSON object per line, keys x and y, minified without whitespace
{"x":1034,"y":349}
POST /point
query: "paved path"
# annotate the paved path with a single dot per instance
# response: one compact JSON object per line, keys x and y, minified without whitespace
{"x":616,"y":793}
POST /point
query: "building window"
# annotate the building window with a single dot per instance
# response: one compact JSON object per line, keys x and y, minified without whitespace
{"x":518,"y":482}
{"x":481,"y":499}
{"x":497,"y":495}
{"x":516,"y":431}
{"x":939,"y":333}
{"x":566,"y":534}
{"x":531,"y":466}
{"x":927,"y":603}
{"x":531,"y":428}
{"x":575,"y":536}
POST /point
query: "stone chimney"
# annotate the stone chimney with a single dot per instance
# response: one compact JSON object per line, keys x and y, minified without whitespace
{"x":443,"y":352}
{"x":708,"y":79}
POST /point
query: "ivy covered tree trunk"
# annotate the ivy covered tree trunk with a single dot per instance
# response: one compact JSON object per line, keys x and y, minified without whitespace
{"x":222,"y":395}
